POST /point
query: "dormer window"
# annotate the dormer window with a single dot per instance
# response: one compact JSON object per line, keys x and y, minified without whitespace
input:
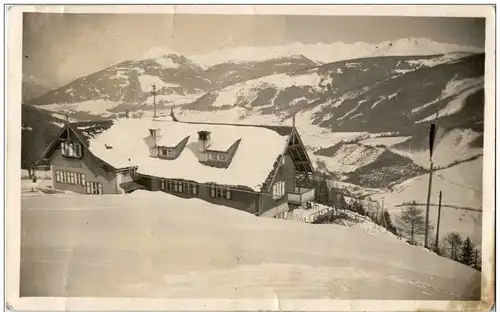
{"x":71,"y":149}
{"x":165,"y":151}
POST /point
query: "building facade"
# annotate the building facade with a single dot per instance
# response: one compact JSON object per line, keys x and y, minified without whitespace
{"x":185,"y":164}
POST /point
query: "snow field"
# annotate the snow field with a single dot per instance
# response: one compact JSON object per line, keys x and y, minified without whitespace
{"x":162,"y":246}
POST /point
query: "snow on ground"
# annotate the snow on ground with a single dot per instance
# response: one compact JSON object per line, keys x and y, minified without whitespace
{"x":133,"y":246}
{"x":452,"y":147}
{"x":331,"y":52}
{"x":358,"y":221}
{"x":249,"y":89}
{"x":248,"y":168}
{"x":438,"y":60}
{"x":385,"y":141}
{"x":460,"y":90}
{"x":94,"y":107}
{"x":349,"y":157}
{"x":147,"y":81}
{"x":461,"y":186}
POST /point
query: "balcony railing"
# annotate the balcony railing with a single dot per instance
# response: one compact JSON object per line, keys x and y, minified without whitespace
{"x":301,"y":195}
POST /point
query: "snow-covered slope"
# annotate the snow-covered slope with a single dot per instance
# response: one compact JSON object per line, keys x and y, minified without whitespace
{"x":327,"y":53}
{"x":142,"y":246}
{"x":461,"y":186}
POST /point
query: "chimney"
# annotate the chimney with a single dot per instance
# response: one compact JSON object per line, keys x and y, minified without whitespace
{"x":204,"y":139}
{"x":155,"y":135}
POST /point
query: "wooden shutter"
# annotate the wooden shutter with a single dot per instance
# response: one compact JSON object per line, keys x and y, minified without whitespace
{"x":228,"y":193}
{"x":78,"y":150}
{"x":99,"y":185}
{"x":89,"y":191}
{"x":58,"y":176}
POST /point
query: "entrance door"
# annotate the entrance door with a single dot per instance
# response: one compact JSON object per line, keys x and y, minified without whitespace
{"x":93,"y":188}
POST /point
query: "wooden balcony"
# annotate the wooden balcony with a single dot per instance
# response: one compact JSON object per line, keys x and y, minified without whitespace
{"x":301,"y":195}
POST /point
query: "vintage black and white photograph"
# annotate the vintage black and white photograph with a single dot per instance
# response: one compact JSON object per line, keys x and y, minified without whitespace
{"x":247,"y":156}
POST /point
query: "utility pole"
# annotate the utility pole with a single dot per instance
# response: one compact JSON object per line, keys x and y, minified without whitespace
{"x":383,"y":214}
{"x":154,"y":93}
{"x":438,"y":221}
{"x":432,"y":138}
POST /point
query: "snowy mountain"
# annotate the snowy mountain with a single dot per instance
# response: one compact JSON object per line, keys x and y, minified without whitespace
{"x":374,"y":94}
{"x":365,"y":120}
{"x":33,"y":87}
{"x":128,"y":85}
{"x":332,"y":52}
{"x":229,"y":73}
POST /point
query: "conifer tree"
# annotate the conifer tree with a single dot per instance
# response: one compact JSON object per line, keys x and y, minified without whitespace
{"x":467,"y":252}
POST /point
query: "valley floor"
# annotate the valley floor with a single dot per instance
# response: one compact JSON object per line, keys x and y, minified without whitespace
{"x":156,"y":245}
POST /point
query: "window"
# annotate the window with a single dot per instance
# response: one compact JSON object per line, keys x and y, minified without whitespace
{"x":211,"y":156}
{"x":219,"y":191}
{"x":165,"y":151}
{"x":221,"y":157}
{"x":93,"y":188}
{"x":170,"y":152}
{"x":68,"y":177}
{"x":179,"y":186}
{"x":279,"y":189}
{"x":71,"y":149}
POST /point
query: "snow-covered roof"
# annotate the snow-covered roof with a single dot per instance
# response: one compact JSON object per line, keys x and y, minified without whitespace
{"x":253,"y":161}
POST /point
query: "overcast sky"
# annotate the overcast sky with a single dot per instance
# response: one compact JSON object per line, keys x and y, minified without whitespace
{"x":61,"y":47}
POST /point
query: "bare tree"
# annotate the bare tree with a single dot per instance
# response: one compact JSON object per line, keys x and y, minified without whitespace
{"x":453,"y":242}
{"x":413,"y":222}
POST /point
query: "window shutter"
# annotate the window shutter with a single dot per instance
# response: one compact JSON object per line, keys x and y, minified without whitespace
{"x":212,"y":190}
{"x":88,"y":187}
{"x":58,"y":176}
{"x":228,"y":193}
{"x":99,"y":185}
{"x":83,"y":179}
{"x":78,"y":149}
{"x":282,"y":188}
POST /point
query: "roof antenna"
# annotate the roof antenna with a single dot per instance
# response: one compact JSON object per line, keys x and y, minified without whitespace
{"x":293,"y":115}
